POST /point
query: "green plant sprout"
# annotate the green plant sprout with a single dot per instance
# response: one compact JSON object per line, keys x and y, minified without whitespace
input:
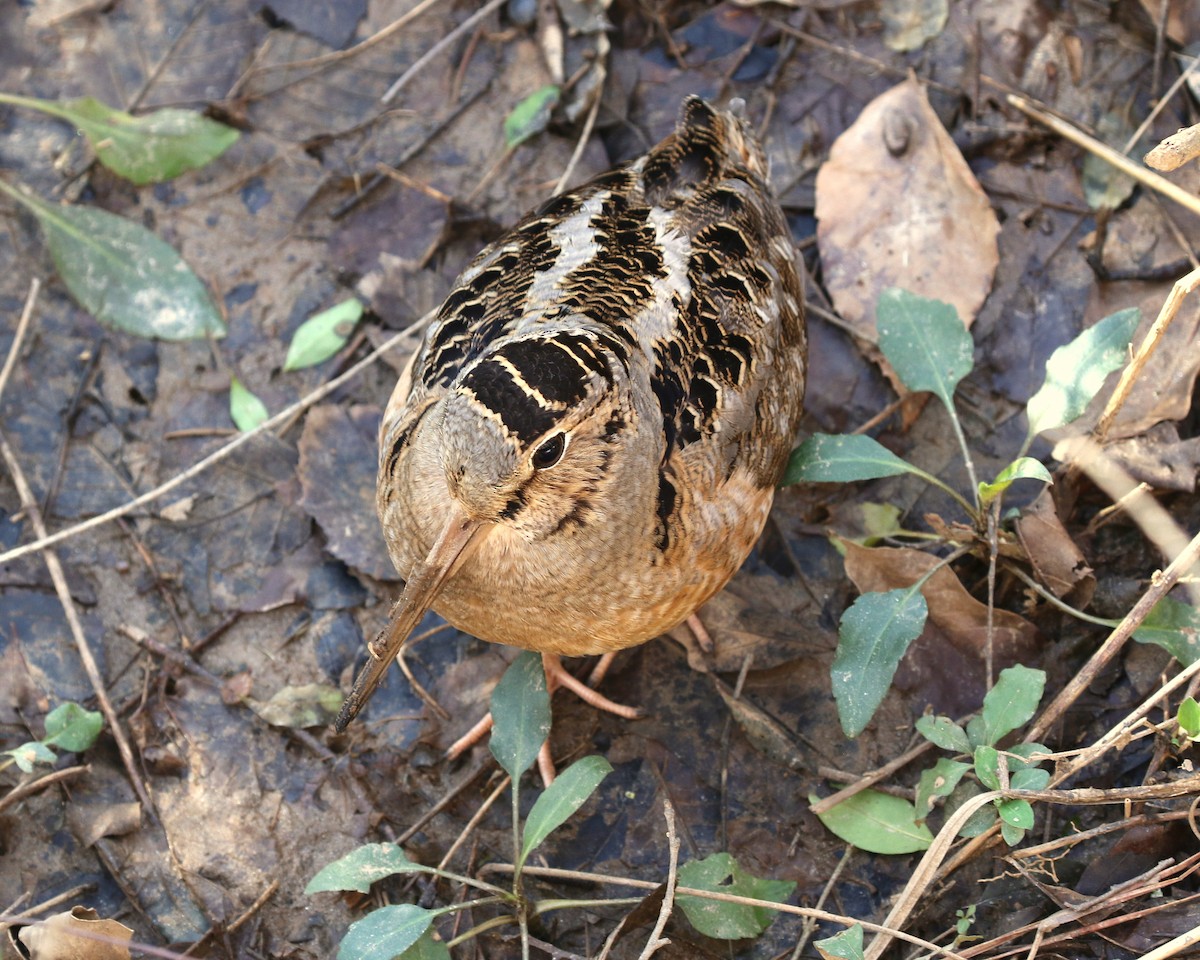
{"x":521,"y":714}
{"x":68,"y":726}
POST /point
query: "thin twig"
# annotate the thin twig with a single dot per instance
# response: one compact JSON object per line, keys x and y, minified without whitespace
{"x":21,"y":791}
{"x":438,"y":47}
{"x":656,"y":941}
{"x":601,"y":67}
{"x":29,"y":505}
{"x":22,"y":325}
{"x":1102,"y":150}
{"x":221,"y":453}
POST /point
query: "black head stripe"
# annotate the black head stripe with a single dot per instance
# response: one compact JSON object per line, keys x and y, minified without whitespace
{"x":547,"y":369}
{"x":491,"y":383}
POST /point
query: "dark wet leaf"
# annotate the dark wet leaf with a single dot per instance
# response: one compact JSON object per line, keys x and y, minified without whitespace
{"x":561,"y":799}
{"x":1075,"y":371}
{"x":531,"y":115}
{"x":938,"y":781}
{"x":322,"y":335}
{"x":874,"y":634}
{"x":360,"y":868}
{"x":847,"y":945}
{"x":308,"y":705}
{"x":720,"y":873}
{"x":827,"y":458}
{"x":1175,"y":627}
{"x":1023,"y":468}
{"x":245,"y":409}
{"x":521,"y":711}
{"x":385,"y":934}
{"x":1010,"y":704}
{"x":925,"y":342}
{"x":124,"y":275}
{"x":149,"y":148}
{"x":878,"y":823}
{"x":944,"y":732}
{"x":70,"y":727}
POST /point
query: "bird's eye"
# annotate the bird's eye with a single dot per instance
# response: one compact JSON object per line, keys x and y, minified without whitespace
{"x":550,"y":452}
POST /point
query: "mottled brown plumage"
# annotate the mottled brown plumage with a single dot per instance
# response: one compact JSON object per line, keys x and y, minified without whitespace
{"x":585,"y":447}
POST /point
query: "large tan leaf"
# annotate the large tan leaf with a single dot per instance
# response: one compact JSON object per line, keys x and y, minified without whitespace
{"x":898,"y":207}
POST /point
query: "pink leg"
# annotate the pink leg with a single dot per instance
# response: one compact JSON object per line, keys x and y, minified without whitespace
{"x":600,"y":670}
{"x":703,"y":637}
{"x":557,"y":675}
{"x":470,"y":738}
{"x":546,"y":764}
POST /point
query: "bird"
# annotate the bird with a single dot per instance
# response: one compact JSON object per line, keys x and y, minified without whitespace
{"x":585,"y":446}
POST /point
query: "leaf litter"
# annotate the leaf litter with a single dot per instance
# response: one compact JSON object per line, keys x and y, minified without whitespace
{"x":255,"y":227}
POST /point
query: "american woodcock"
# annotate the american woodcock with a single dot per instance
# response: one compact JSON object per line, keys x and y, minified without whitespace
{"x":586,"y":444}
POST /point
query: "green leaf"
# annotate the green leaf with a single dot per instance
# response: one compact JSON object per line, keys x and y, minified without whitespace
{"x":561,"y":799}
{"x":521,"y":714}
{"x":842,"y":458}
{"x":987,"y":766}
{"x":27,"y":754}
{"x":426,"y":948}
{"x":1012,"y":835}
{"x":245,"y":408}
{"x":531,"y":115}
{"x":878,"y":823}
{"x":1104,"y":186}
{"x":1010,"y":704}
{"x":72,"y":728}
{"x":322,"y":335}
{"x":360,"y":868}
{"x":1028,"y":779}
{"x":1075,"y":372}
{"x":981,"y":820}
{"x":872,"y":637}
{"x":122,"y":274}
{"x":1024,"y":468}
{"x":720,"y":873}
{"x":1189,"y":717}
{"x":924,"y":341}
{"x":385,"y":934}
{"x":938,"y":781}
{"x":145,"y":149}
{"x":847,"y":945}
{"x":944,"y":732}
{"x":306,"y":705}
{"x":1175,"y":627}
{"x":153,"y":147}
{"x":1019,"y":755}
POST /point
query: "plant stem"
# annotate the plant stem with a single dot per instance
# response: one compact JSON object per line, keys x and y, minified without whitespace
{"x":1056,"y":602}
{"x":966,"y":452}
{"x":545,"y":906}
{"x":972,"y":511}
{"x":478,"y":929}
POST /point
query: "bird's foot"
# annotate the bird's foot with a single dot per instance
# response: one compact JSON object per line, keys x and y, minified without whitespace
{"x":556,"y":676}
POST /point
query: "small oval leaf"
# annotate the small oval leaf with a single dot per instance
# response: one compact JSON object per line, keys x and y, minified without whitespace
{"x":70,"y":727}
{"x":531,"y":115}
{"x":245,"y":408}
{"x":1175,"y":627}
{"x":938,"y":781}
{"x":322,"y":335}
{"x":561,"y":799}
{"x":360,"y":868}
{"x":847,"y":945}
{"x":1010,"y":704}
{"x":1075,"y":371}
{"x":878,"y":823}
{"x":720,"y":873}
{"x":385,"y":934}
{"x":873,"y":636}
{"x":925,"y":342}
{"x":520,"y":714}
{"x":944,"y":732}
{"x":1023,"y":468}
{"x":124,"y":275}
{"x":844,"y":458}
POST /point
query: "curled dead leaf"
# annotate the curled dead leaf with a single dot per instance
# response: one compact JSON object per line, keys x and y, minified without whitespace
{"x":78,"y":934}
{"x":1054,"y":556}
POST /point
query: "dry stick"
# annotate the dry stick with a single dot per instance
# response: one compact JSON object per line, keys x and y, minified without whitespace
{"x":10,"y":361}
{"x":1180,"y":147}
{"x":1174,"y":946}
{"x":870,"y":779}
{"x":1133,"y":370}
{"x":20,"y":792}
{"x":1147,"y":177}
{"x":1116,"y":640}
{"x":220,"y":453}
{"x":823,"y":915}
{"x":602,"y":48}
{"x":438,"y":47}
{"x":809,"y":924}
{"x":656,"y":941}
{"x":1158,"y":108}
{"x":29,"y":505}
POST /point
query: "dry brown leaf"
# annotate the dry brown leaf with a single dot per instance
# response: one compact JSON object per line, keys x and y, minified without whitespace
{"x":78,"y":934}
{"x":1054,"y":556}
{"x":91,"y":821}
{"x":897,"y":206}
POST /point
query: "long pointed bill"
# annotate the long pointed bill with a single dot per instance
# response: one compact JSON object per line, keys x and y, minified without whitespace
{"x":424,"y":582}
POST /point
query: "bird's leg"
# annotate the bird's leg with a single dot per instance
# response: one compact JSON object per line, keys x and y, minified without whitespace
{"x":470,"y":738}
{"x":557,"y":675}
{"x":700,"y":632}
{"x":546,"y":764}
{"x":600,"y":670}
